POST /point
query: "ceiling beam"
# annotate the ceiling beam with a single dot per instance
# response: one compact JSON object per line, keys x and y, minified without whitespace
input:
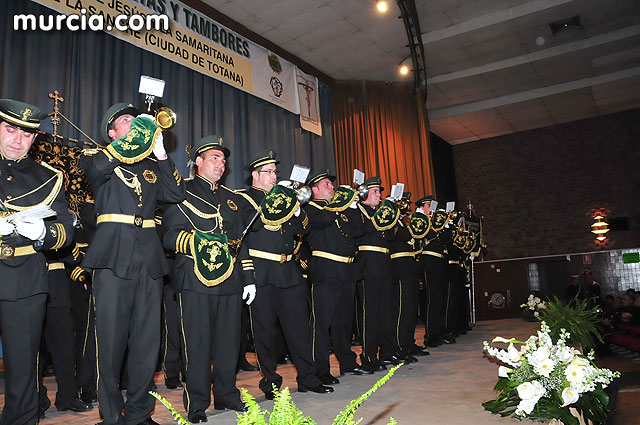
{"x":481,"y":105}
{"x":575,"y":46}
{"x":489,"y":19}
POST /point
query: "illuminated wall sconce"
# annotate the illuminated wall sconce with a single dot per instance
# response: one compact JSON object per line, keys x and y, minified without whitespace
{"x":600,"y":227}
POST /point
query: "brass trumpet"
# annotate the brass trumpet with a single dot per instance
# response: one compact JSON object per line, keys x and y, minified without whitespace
{"x":165,"y":118}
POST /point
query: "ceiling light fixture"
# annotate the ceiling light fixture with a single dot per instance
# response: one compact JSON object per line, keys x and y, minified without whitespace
{"x":382,"y":6}
{"x":566,"y":24}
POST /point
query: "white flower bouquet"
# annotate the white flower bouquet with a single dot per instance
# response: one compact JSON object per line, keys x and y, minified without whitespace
{"x":530,"y":310}
{"x":542,"y":380}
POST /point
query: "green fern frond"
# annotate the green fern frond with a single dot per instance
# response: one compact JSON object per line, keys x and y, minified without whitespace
{"x":346,"y":416}
{"x":176,"y":416}
{"x":580,"y":321}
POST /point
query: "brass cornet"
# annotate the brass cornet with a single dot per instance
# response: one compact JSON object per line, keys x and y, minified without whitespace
{"x":165,"y":118}
{"x":303,"y":192}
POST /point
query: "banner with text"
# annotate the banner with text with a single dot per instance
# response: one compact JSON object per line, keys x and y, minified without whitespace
{"x":194,"y":40}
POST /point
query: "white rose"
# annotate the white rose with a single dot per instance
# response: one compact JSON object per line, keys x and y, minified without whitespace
{"x":526,"y":406}
{"x":525,"y":391}
{"x":574,"y":374}
{"x":536,"y":314}
{"x":537,"y":300}
{"x":541,"y":354}
{"x":569,"y":396}
{"x":565,"y":354}
{"x":503,"y":371}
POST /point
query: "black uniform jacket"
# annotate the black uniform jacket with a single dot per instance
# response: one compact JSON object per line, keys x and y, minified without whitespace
{"x":282,"y":242}
{"x":333,"y":233}
{"x":404,"y":254}
{"x":25,"y":183}
{"x":208,"y":208}
{"x":131,"y":190}
{"x":434,"y":252}
{"x":373,"y":264}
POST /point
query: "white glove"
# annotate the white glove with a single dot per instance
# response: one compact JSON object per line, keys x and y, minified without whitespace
{"x":420,"y":210}
{"x":158,"y":148}
{"x":286,"y":183}
{"x":297,"y":213}
{"x":346,"y":186}
{"x":147,"y":116}
{"x":6,"y":228}
{"x":249,"y":293}
{"x":31,"y":228}
{"x":354,"y":204}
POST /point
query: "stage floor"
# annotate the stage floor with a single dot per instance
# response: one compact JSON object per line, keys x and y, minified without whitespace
{"x":447,"y":387}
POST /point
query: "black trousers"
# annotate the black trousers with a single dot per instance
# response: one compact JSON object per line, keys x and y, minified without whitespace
{"x":21,"y":324}
{"x":452,"y":298}
{"x":332,"y":307}
{"x":85,"y":338}
{"x":59,"y":341}
{"x":211,"y":333}
{"x":375,"y":295}
{"x":405,"y":311}
{"x":127,"y":318}
{"x":171,"y":348}
{"x":289,"y":307}
{"x":434,"y":311}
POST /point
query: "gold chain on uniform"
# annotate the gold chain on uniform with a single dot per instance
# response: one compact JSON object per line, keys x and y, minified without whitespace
{"x":132,"y":182}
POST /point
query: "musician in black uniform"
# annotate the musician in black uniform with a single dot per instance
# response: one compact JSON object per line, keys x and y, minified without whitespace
{"x":213,"y":274}
{"x":58,"y":335}
{"x":283,"y":290}
{"x":332,"y":276}
{"x":432,"y":261}
{"x":127,"y":258}
{"x":404,"y":251}
{"x":376,"y":286}
{"x":23,"y":293}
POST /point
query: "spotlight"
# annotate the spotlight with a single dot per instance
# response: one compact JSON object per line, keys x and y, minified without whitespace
{"x":381,"y":5}
{"x":404,"y":70}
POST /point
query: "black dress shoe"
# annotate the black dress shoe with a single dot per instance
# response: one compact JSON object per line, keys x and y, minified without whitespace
{"x":246,"y":367}
{"x":320,"y":389}
{"x":391,"y":360}
{"x":173,"y":383}
{"x":269,"y":395}
{"x":77,"y":405}
{"x":408,"y":358}
{"x":358,"y":370}
{"x":197,"y":416}
{"x":89,"y":396}
{"x":448,"y":339}
{"x":328,"y":380}
{"x":435,"y":342}
{"x":238,"y":406}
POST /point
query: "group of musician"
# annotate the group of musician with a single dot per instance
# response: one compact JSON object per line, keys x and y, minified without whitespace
{"x":158,"y":264}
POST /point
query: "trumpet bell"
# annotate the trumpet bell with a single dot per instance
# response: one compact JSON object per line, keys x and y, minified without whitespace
{"x":363,"y":192}
{"x":166,"y":118}
{"x":304,"y":194}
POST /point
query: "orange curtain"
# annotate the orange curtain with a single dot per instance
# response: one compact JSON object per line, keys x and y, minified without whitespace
{"x":382,"y":129}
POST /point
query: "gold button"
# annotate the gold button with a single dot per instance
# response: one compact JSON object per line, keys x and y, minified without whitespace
{"x":9,"y":178}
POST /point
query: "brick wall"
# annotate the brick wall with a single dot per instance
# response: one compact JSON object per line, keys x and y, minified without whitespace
{"x":538,"y":189}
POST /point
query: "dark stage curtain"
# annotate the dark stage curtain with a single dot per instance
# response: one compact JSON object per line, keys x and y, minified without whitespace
{"x":93,"y":70}
{"x":382,"y":129}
